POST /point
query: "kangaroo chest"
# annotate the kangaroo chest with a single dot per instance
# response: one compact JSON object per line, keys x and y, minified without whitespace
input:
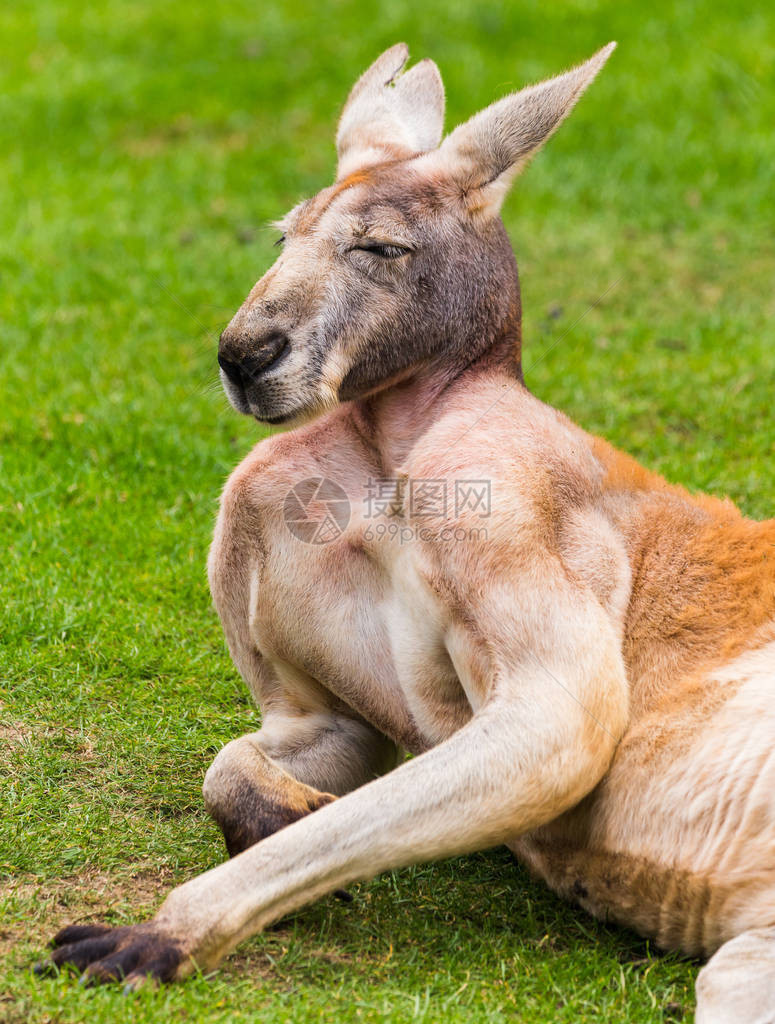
{"x":342,"y":603}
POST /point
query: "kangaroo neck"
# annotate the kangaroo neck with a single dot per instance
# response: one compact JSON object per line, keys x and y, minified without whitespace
{"x":393,"y":419}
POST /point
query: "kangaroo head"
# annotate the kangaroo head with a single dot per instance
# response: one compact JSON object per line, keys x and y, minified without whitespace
{"x":403,"y":262}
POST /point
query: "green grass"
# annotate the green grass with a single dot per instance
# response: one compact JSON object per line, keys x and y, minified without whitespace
{"x":143,"y":146}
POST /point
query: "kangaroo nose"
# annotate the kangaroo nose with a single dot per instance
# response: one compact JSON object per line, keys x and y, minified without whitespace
{"x":243,"y":369}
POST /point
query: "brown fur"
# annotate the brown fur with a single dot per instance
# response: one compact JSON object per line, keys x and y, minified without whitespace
{"x":704,"y":576}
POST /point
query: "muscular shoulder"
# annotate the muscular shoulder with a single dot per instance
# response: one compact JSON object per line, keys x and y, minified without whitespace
{"x":282,"y":461}
{"x":270,"y":487}
{"x":537,"y":463}
{"x":523,"y":489}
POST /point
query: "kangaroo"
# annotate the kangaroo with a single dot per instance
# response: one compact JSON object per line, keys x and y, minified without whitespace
{"x":579,"y":655}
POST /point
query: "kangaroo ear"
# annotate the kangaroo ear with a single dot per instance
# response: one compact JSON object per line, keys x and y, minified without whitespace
{"x":484,"y":154}
{"x":389,"y":115}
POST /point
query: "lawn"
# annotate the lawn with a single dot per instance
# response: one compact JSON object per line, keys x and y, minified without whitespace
{"x":143,"y":148}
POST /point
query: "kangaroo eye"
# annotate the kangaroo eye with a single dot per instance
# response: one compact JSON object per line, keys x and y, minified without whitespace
{"x":280,"y":241}
{"x":384,"y":250}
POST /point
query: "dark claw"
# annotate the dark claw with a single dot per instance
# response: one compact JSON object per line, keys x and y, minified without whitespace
{"x":344,"y":895}
{"x":79,"y":932}
{"x":45,"y":969}
{"x":103,"y":954}
{"x":81,"y":954}
{"x":161,"y":969}
{"x":113,"y":968}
